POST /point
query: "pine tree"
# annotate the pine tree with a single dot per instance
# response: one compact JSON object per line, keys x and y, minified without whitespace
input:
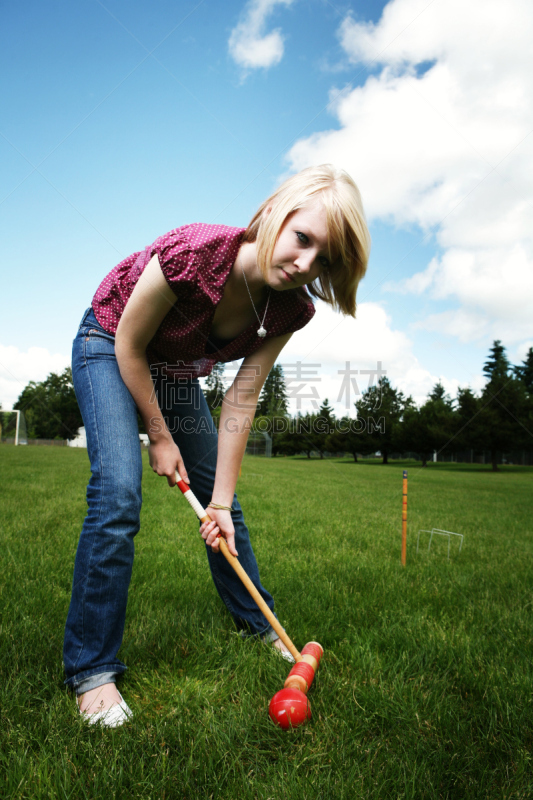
{"x":429,"y":428}
{"x":525,"y":371}
{"x":323,"y":427}
{"x":439,"y":393}
{"x":273,"y":398}
{"x":381,"y":409}
{"x":215,"y":388}
{"x":302,"y":436}
{"x":468,"y":422}
{"x":326,"y":412}
{"x":497,"y":363}
{"x":504,"y":406}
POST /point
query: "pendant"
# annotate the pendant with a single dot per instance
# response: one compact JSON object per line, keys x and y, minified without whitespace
{"x":261,"y":332}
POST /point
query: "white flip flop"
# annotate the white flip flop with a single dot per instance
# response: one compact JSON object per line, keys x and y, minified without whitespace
{"x":112,"y":717}
{"x":284,"y":654}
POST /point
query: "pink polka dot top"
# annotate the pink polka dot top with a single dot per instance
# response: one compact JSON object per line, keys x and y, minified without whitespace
{"x":196,"y":261}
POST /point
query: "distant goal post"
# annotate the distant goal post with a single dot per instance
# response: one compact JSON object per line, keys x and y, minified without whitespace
{"x":13,"y":426}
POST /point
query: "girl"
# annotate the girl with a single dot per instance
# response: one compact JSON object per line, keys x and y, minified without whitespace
{"x":159,"y":321}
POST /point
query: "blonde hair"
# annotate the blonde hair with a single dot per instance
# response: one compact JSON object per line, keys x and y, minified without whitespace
{"x":348,"y":236}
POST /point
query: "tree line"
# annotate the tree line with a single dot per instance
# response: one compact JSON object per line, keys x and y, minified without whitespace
{"x":499,"y":420}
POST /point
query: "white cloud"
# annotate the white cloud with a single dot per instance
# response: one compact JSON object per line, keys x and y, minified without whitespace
{"x":330,"y":341}
{"x":523,"y":350}
{"x":494,"y":287}
{"x":249,"y":45}
{"x":449,"y":149}
{"x":18,"y":368}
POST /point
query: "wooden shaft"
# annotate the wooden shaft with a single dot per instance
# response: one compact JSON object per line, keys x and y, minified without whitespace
{"x":202,"y":514}
{"x":234,"y":562}
{"x":404,"y":519}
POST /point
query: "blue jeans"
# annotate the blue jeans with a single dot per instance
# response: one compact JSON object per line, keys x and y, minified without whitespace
{"x":104,"y":559}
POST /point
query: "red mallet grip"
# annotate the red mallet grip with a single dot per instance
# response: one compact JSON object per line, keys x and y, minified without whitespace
{"x":302,"y":674}
{"x":300,"y":677}
{"x":311,"y":654}
{"x":313,"y":649}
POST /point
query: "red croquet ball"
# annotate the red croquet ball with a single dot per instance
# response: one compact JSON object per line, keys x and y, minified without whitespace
{"x":289,"y":708}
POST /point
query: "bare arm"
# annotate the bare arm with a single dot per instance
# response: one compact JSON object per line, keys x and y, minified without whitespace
{"x":149,"y":303}
{"x":237,"y":414}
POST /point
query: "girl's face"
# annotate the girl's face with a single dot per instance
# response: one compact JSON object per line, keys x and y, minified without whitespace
{"x":301,"y":251}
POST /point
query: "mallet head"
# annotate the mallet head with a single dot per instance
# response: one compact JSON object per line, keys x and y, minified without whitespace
{"x":289,"y":708}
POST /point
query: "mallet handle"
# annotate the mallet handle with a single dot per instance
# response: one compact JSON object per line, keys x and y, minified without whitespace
{"x":203,"y":516}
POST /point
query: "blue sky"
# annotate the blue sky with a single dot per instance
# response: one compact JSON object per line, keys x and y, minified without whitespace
{"x":122,"y":120}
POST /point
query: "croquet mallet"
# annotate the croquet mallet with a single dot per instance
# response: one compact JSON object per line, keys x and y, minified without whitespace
{"x":290,"y":706}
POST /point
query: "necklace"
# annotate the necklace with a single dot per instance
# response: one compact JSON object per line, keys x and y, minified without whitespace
{"x":261,"y":330}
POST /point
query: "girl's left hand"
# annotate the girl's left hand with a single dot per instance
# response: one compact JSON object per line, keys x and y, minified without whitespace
{"x":221,"y":522}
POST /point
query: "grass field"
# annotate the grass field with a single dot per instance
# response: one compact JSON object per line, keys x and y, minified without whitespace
{"x":426,"y":687}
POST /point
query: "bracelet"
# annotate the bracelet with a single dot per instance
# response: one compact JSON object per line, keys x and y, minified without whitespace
{"x":221,"y":508}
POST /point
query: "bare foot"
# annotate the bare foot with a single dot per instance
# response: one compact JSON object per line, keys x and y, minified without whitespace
{"x":285,"y":652}
{"x":100,"y":699}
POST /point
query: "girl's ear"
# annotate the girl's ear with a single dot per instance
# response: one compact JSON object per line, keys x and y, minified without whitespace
{"x":267,"y":211}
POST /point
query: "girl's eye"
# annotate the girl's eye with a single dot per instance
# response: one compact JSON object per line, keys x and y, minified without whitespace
{"x":302,"y":237}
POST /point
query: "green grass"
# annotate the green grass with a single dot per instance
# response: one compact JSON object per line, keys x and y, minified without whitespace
{"x":425,"y":690}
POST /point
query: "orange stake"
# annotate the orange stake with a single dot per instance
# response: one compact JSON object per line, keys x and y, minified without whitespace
{"x":404,"y":519}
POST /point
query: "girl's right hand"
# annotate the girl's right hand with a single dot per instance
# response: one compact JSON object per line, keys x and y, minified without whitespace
{"x":165,"y":458}
{"x":220,"y":524}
